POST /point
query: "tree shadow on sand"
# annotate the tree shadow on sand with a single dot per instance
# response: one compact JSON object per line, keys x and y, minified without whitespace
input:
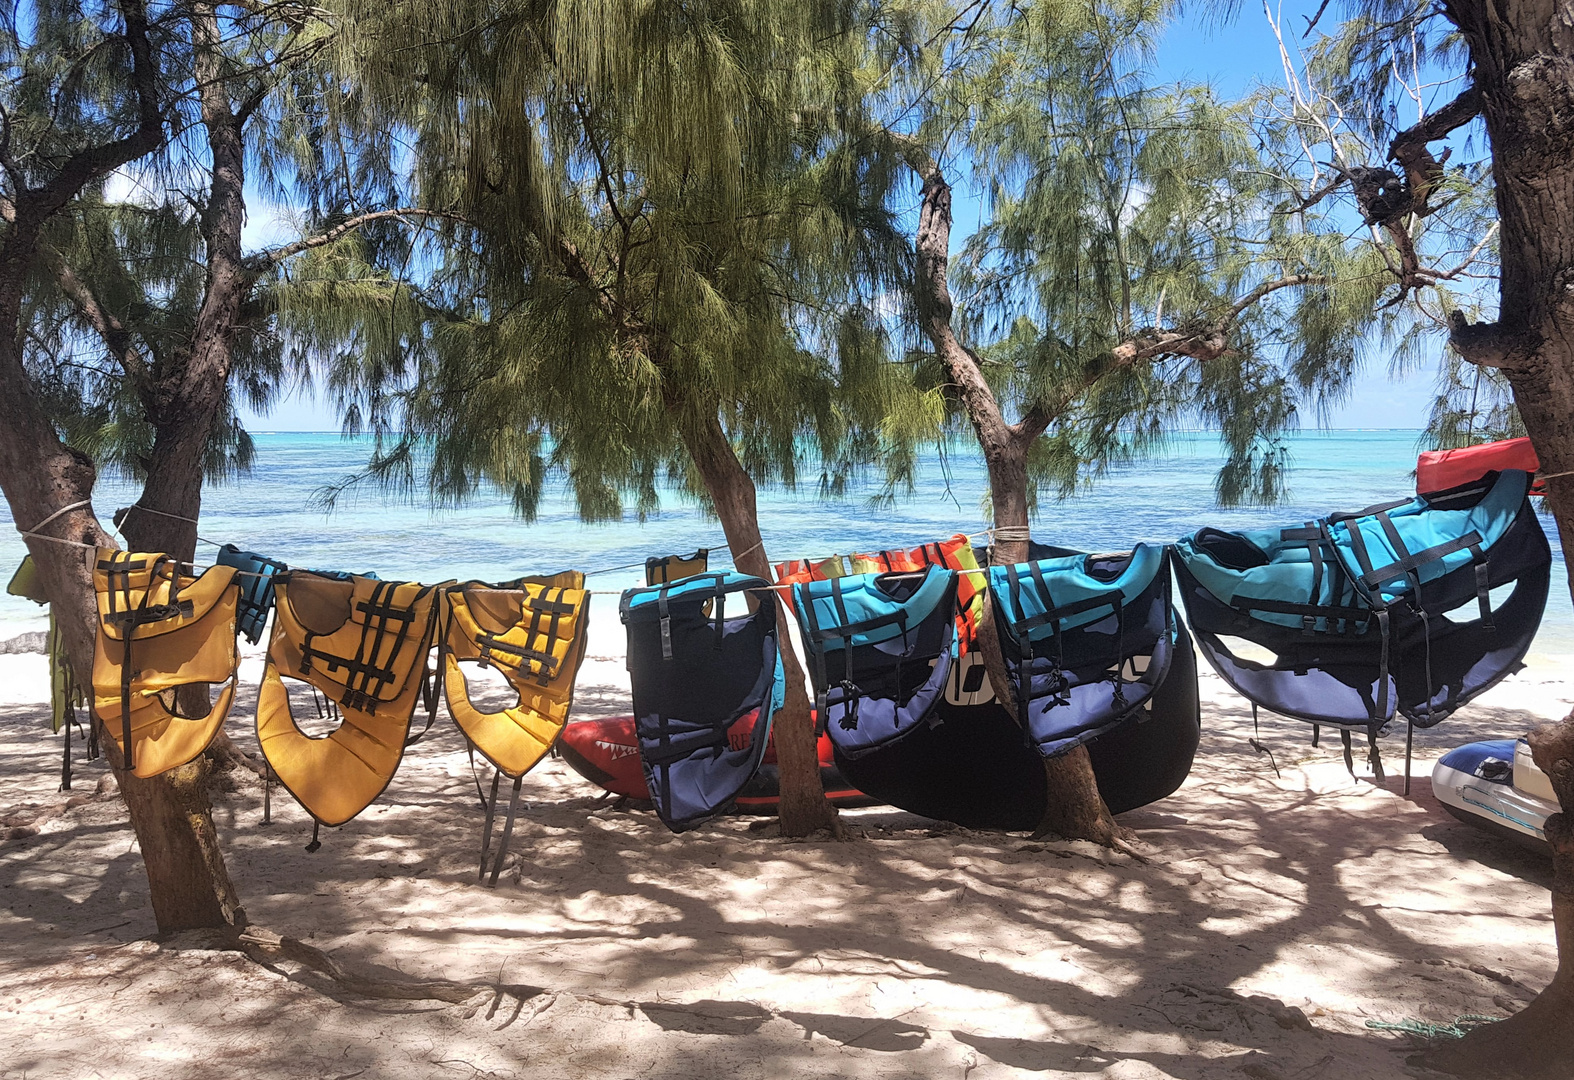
{"x":1271,"y":914}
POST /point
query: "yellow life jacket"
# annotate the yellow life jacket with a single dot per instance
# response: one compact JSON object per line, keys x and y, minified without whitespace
{"x":363,"y":643}
{"x":160,"y":629}
{"x":533,"y":631}
{"x":676,"y":567}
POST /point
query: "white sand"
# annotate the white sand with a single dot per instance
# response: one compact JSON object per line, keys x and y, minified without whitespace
{"x":916,"y":949}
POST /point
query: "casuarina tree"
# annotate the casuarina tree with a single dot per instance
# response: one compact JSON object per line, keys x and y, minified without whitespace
{"x":1436,"y":77}
{"x":1135,"y":267}
{"x":653,"y":217}
{"x":143,"y":314}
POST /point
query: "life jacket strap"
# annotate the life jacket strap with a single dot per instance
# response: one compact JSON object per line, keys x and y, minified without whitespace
{"x":490,"y":806}
{"x":493,"y":648}
{"x":1258,"y":745}
{"x":1309,"y":613}
{"x":508,"y":832}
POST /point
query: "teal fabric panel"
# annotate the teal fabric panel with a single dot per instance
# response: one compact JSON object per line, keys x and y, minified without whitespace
{"x":1287,"y":577}
{"x":1420,"y":526}
{"x":864,"y":598}
{"x":1069,"y":582}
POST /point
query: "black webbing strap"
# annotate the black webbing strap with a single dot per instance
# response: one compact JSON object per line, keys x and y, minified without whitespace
{"x":267,"y":791}
{"x":120,"y":565}
{"x":851,"y":693}
{"x":548,"y":670}
{"x":1408,"y":562}
{"x":816,"y":646}
{"x":1382,"y":667}
{"x":490,"y":805}
{"x":492,"y":647}
{"x":665,"y":612}
{"x":1258,"y":745}
{"x":1483,"y":588}
{"x":65,"y":765}
{"x":508,"y":832}
{"x":1374,"y":756}
{"x":1026,"y":653}
{"x":474,"y":775}
{"x":1310,"y":536}
{"x":1309,"y":613}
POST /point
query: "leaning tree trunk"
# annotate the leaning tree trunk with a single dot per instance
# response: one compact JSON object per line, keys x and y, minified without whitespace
{"x":190,"y":394}
{"x":804,"y":808}
{"x":1073,"y":808}
{"x":1522,"y":54}
{"x":170,"y":814}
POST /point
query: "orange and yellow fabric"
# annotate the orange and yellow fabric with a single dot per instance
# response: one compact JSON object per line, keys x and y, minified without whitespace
{"x":797,"y":571}
{"x":957,"y":553}
{"x":160,"y":629}
{"x":363,"y":643}
{"x":534,"y":632}
{"x":886,"y":562}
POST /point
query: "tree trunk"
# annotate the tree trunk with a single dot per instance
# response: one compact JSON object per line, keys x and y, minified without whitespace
{"x":170,"y":814}
{"x":804,"y":808}
{"x":1073,"y":808}
{"x":1522,"y":58}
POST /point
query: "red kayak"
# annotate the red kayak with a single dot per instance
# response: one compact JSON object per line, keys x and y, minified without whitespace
{"x":606,"y":753}
{"x":1440,"y":470}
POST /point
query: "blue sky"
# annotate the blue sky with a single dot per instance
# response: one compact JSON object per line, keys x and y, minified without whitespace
{"x":1234,"y":58}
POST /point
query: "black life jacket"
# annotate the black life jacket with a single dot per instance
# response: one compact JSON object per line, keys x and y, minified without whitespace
{"x":695,"y":674}
{"x":970,"y":763}
{"x":1386,"y":611}
{"x":880,"y":651}
{"x":1070,"y":629}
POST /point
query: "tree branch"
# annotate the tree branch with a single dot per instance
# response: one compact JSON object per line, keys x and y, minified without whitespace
{"x":1409,"y":148}
{"x":117,"y":339}
{"x":1487,"y":344}
{"x":1201,"y":341}
{"x":36,"y":205}
{"x":265,"y":259}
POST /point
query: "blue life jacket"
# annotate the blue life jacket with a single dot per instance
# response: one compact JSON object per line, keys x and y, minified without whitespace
{"x":695,"y":673}
{"x":1384,"y":611}
{"x":1070,"y":628}
{"x":256,"y":587}
{"x":880,"y":650}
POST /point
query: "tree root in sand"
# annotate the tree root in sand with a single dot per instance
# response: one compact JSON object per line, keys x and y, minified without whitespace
{"x":15,"y":824}
{"x":322,"y":973}
{"x":226,"y":756}
{"x":1535,"y":1043}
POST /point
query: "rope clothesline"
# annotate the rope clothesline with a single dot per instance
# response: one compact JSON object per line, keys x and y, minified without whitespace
{"x":1007,"y":534}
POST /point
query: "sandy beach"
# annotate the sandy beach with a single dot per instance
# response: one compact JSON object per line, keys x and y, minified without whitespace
{"x":1274,"y":917}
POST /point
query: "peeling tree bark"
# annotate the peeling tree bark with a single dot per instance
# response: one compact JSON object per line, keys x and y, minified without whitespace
{"x":1522,"y":57}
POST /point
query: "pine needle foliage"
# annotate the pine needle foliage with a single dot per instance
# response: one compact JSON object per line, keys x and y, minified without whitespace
{"x":660,"y":229}
{"x":135,"y":246}
{"x":1119,"y":214}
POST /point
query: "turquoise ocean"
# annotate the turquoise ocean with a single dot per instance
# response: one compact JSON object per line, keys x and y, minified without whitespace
{"x":1160,"y":499}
